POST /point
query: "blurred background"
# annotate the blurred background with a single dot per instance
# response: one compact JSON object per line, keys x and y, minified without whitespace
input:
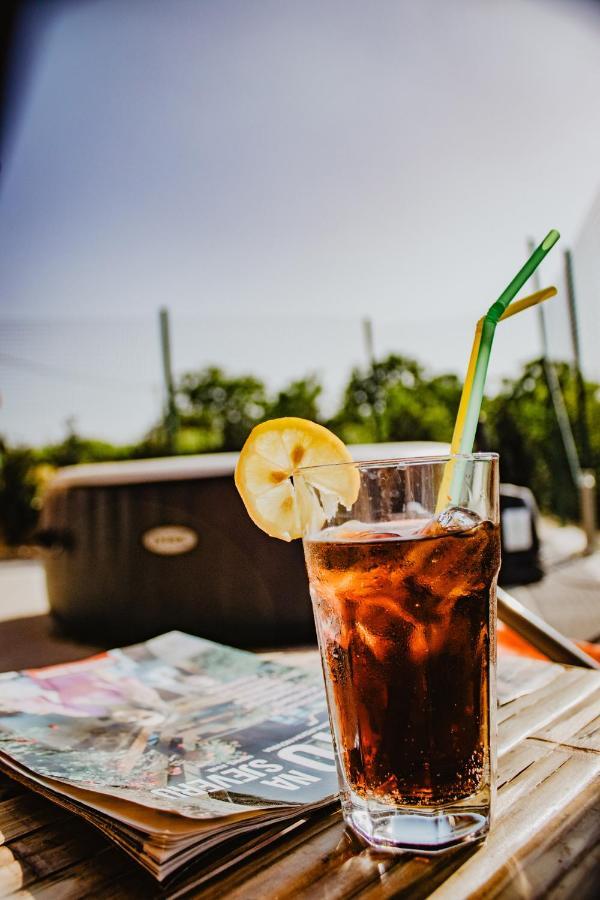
{"x":322,"y":197}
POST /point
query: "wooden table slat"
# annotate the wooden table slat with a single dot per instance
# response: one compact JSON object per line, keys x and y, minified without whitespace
{"x":228,"y":882}
{"x":518,"y":758}
{"x":544,"y":841}
{"x":513,"y":835}
{"x":8,"y":789}
{"x":12,"y":873}
{"x":534,"y":711}
{"x":578,"y":727}
{"x":47,"y":851}
{"x":84,"y":878}
{"x":22,"y":814}
{"x":572,"y":848}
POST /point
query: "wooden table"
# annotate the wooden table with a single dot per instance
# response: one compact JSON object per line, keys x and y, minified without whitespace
{"x":545,"y":841}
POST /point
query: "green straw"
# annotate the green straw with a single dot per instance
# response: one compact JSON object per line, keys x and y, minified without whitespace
{"x":490,"y":321}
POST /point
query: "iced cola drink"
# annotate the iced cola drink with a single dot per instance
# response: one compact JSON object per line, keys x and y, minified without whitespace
{"x":404,"y":607}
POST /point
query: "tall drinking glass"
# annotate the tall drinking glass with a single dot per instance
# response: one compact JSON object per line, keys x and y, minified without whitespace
{"x":405,"y":608}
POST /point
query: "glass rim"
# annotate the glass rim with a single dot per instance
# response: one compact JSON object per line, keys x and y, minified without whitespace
{"x":406,"y":461}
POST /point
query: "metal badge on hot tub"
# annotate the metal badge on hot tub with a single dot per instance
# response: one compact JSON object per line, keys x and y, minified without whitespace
{"x":170,"y":540}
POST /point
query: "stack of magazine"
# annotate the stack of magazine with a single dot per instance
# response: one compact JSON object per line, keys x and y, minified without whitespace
{"x":178,"y":749}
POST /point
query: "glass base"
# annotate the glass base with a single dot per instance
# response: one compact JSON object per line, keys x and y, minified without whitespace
{"x":408,"y":828}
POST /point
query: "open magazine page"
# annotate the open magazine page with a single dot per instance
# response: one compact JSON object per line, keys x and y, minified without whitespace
{"x":177,"y":723}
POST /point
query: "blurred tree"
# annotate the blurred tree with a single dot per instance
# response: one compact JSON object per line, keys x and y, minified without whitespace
{"x":69,"y":451}
{"x":225,"y":407}
{"x":74,"y":449}
{"x":18,"y":491}
{"x":155,"y":442}
{"x":394,"y":400}
{"x":522,"y":426}
{"x":299,"y":398}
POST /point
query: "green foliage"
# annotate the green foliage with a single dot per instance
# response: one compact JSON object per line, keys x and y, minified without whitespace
{"x":74,"y":449}
{"x":227,"y":407}
{"x":522,"y":425}
{"x":24,"y":472}
{"x":393,"y":400}
{"x":190,"y":439}
{"x":299,"y":398}
{"x":218,"y":412}
{"x":18,"y":493}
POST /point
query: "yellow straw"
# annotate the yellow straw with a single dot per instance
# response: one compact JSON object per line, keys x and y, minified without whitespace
{"x":466,"y":391}
{"x":526,"y":302}
{"x":516,"y":307}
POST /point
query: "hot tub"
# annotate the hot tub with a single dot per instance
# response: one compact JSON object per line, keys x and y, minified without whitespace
{"x":136,"y":548}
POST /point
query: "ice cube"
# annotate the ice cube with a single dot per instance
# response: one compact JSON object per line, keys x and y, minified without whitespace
{"x":381,"y":647}
{"x":456,"y":556}
{"x":458,"y":518}
{"x":455,"y":518}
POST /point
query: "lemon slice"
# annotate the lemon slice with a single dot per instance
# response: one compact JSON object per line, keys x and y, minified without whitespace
{"x":283,"y":501}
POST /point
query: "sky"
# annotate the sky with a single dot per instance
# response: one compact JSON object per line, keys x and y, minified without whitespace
{"x":273,"y":172}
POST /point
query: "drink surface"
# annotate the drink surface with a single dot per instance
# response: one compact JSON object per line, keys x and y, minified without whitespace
{"x":403,"y":615}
